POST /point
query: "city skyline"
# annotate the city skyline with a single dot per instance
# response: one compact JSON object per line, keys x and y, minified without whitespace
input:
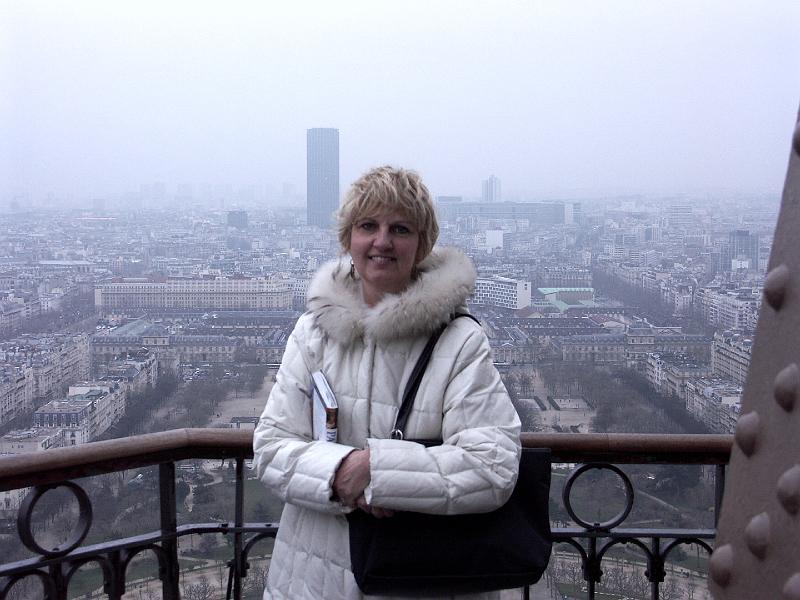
{"x":600,"y":317}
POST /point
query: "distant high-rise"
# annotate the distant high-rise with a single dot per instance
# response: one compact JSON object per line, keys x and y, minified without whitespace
{"x":322,"y":176}
{"x":743,"y":245}
{"x":491,"y":189}
{"x":237,"y":219}
{"x":680,"y":215}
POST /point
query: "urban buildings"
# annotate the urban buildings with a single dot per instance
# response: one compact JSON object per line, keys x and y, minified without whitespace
{"x":39,"y":366}
{"x":538,"y":214}
{"x":212,"y":286}
{"x":322,"y":176}
{"x":171,"y":349}
{"x":632,"y":348}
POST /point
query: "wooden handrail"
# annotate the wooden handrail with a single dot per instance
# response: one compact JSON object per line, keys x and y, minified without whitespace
{"x":96,"y":458}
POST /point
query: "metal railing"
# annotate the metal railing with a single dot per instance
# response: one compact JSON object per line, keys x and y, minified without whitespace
{"x":55,"y":567}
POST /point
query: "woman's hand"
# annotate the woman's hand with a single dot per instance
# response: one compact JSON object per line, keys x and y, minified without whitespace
{"x":352,"y":477}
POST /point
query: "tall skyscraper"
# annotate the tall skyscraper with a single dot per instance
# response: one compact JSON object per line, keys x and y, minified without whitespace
{"x":491,"y":189}
{"x":322,"y":176}
{"x":680,"y":214}
{"x":237,"y":219}
{"x":743,"y":245}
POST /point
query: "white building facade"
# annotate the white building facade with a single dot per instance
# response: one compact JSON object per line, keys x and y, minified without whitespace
{"x":502,"y":292}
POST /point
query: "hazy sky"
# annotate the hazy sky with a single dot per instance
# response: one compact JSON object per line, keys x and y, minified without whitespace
{"x":559,"y":98}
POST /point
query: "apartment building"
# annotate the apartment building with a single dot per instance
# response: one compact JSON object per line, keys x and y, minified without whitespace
{"x":502,"y":292}
{"x":669,"y":373}
{"x":109,"y":400}
{"x":730,"y":355}
{"x":729,"y":309}
{"x":74,"y":416}
{"x":715,"y":402}
{"x":38,"y":366}
{"x":263,"y":293}
{"x":24,"y":441}
{"x":739,"y":310}
{"x":563,"y":276}
{"x":135,"y":371}
{"x":16,"y":391}
{"x":87,"y":413}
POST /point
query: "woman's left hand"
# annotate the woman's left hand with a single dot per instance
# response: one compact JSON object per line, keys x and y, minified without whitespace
{"x":352,"y":477}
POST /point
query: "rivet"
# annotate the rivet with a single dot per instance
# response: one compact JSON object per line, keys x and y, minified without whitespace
{"x":787,"y":382}
{"x":747,"y":432}
{"x":791,"y":591}
{"x":789,"y":490}
{"x":775,"y":286}
{"x":757,"y":535}
{"x":721,"y":565}
{"x":796,"y":139}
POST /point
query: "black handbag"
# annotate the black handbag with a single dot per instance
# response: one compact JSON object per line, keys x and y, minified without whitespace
{"x":415,"y":554}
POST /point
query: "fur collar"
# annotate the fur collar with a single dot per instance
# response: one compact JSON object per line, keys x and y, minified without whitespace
{"x":444,"y":282}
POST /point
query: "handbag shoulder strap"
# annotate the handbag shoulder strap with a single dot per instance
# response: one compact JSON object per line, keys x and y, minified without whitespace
{"x":416,"y":377}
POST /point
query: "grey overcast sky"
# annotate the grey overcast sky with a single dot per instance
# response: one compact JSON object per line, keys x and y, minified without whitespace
{"x":555,"y":98}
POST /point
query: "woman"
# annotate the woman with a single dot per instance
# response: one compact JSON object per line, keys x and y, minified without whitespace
{"x":368,"y":319}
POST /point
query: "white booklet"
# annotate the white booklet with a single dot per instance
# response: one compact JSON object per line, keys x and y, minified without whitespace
{"x":324,"y":409}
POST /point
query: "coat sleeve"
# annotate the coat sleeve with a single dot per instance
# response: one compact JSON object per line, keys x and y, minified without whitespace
{"x":476,"y":467}
{"x":292,"y":466}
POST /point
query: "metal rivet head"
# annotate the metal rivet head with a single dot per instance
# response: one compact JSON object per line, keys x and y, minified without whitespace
{"x":747,"y":432}
{"x":789,"y":490}
{"x":787,"y":384}
{"x":796,"y":139}
{"x":720,"y":566}
{"x":791,"y":591}
{"x":757,"y":535}
{"x":775,"y":286}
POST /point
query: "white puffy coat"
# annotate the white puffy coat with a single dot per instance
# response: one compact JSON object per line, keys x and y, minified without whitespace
{"x":367,"y":354}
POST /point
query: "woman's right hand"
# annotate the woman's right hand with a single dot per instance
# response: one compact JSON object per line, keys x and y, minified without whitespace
{"x":352,"y":477}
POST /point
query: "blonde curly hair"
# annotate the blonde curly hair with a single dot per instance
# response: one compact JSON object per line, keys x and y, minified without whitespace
{"x":385,"y":189}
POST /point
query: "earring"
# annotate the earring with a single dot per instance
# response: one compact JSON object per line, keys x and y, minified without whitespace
{"x":352,"y":269}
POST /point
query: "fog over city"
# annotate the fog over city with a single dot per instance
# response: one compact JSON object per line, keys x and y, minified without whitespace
{"x":558,"y":100}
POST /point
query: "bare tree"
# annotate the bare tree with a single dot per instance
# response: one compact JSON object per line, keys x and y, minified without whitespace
{"x":256,"y":576}
{"x":203,"y":590}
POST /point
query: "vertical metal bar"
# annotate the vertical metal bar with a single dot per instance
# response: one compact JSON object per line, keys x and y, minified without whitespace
{"x":593,"y":567}
{"x":115,"y":588}
{"x":655,"y":568}
{"x":169,"y":528}
{"x":57,"y":573}
{"x":526,"y":593}
{"x":238,"y":559}
{"x":719,"y":490}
